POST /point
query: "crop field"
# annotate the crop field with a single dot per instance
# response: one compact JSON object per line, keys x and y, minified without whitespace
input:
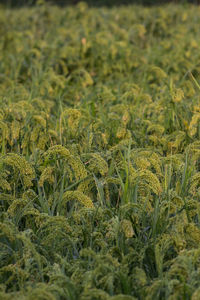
{"x":100,"y":152}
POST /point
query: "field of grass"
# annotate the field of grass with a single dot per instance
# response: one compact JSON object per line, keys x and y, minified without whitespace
{"x":100,"y":153}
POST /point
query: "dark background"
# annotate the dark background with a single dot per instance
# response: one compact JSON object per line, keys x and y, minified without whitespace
{"x":18,"y":3}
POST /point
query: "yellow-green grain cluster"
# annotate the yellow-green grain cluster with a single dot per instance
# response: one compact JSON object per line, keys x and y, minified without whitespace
{"x":99,"y":152}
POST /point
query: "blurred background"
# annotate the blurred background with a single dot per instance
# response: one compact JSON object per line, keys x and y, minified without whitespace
{"x":18,"y":3}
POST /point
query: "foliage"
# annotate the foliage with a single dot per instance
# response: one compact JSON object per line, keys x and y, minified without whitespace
{"x":99,"y":153}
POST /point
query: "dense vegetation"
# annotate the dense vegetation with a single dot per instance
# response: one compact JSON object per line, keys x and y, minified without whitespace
{"x":108,"y":3}
{"x":100,"y":153}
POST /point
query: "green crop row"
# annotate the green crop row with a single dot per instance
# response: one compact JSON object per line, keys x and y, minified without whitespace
{"x":99,"y":153}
